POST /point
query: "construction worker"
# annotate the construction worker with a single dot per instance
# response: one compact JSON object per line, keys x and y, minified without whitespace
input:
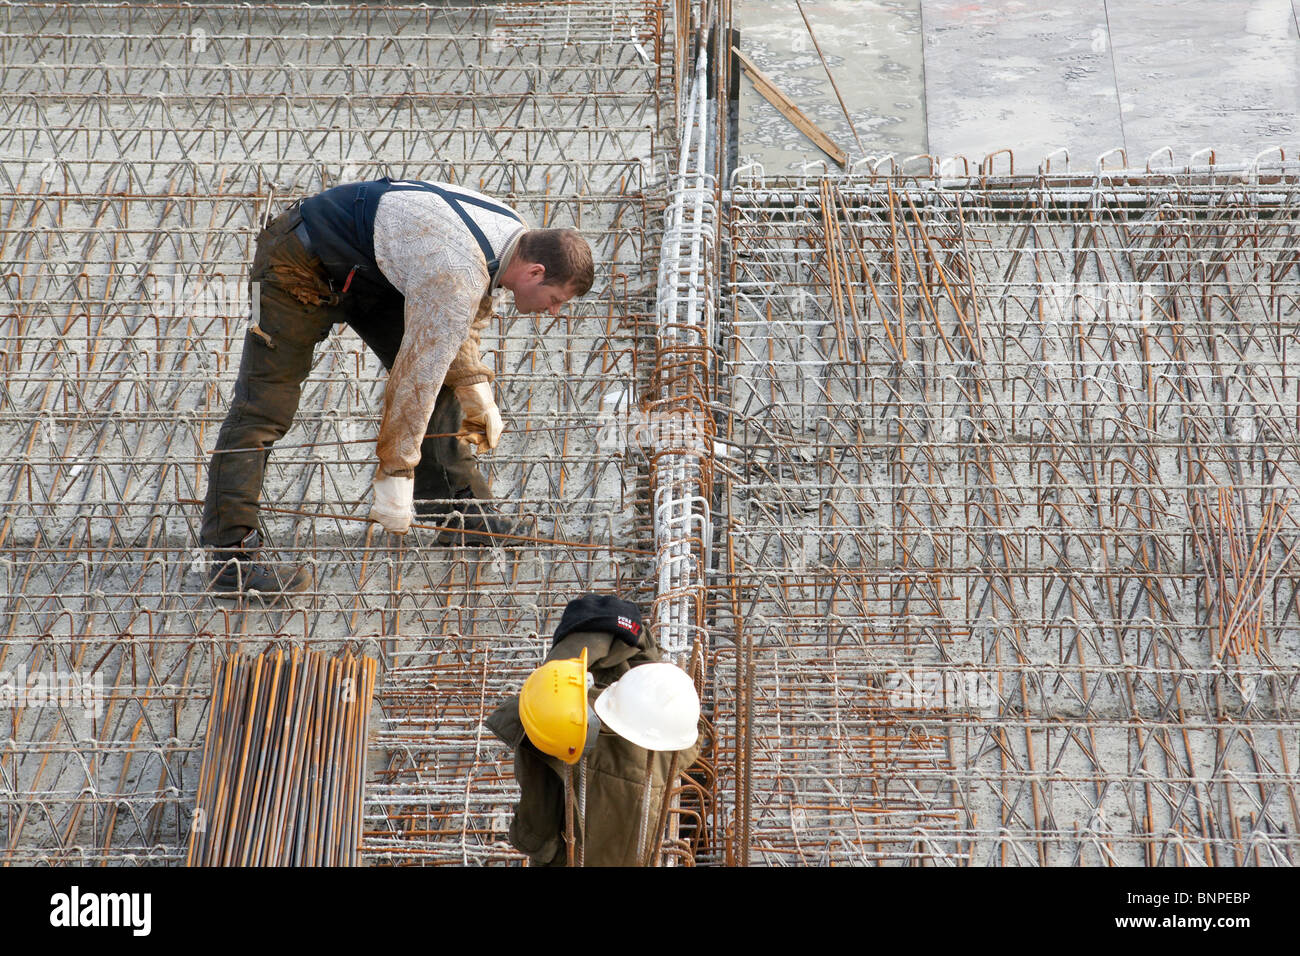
{"x":411,"y":267}
{"x":626,"y":748}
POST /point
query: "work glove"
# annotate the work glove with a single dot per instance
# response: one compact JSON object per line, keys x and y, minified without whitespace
{"x":480,"y":421}
{"x":394,"y":506}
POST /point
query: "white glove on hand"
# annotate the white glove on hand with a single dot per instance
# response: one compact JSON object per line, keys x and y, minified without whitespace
{"x":480,"y":421}
{"x":394,"y":506}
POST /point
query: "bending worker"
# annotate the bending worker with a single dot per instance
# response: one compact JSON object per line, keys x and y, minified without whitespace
{"x":411,"y":267}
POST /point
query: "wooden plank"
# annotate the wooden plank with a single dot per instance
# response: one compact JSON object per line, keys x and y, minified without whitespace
{"x":767,"y":89}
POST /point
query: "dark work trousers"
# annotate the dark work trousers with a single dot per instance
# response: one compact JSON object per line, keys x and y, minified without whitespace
{"x":296,"y":311}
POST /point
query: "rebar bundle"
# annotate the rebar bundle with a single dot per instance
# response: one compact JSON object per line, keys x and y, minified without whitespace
{"x":284,"y":762}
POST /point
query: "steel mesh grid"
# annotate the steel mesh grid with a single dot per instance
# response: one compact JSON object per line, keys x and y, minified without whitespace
{"x":837,"y":647}
{"x":1010,"y":553}
{"x":142,"y":149}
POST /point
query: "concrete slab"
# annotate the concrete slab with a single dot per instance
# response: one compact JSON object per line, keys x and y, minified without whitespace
{"x":873,"y":48}
{"x":1204,"y":73}
{"x":1019,"y":75}
{"x":956,"y":77}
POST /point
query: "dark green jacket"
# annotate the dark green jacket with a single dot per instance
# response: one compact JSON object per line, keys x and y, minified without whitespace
{"x":615,"y":769}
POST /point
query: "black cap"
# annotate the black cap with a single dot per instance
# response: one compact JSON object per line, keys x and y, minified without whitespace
{"x":600,"y":612}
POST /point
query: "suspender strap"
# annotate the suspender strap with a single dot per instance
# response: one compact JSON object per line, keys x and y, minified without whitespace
{"x":454,"y":200}
{"x":341,"y":223}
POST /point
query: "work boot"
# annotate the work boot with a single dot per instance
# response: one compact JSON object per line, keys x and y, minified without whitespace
{"x":243,"y":569}
{"x":470,"y":522}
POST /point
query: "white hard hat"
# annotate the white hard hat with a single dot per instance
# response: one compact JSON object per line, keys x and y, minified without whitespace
{"x":654,"y":706}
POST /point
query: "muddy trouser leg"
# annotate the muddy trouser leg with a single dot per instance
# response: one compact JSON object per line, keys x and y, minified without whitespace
{"x":277,"y":358}
{"x":447,"y":465}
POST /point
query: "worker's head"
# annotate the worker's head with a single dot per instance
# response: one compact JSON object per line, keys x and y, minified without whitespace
{"x":550,"y":267}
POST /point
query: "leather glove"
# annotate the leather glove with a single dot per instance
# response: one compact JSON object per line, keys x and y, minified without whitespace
{"x":394,"y":506}
{"x":480,"y":421}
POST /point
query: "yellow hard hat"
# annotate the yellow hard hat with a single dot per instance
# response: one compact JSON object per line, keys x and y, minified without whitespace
{"x":553,"y":708}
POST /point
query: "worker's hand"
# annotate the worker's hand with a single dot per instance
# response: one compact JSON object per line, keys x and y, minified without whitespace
{"x":480,"y":421}
{"x":394,"y":506}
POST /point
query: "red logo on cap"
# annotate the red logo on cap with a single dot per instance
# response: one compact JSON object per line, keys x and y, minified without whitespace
{"x":627,"y":624}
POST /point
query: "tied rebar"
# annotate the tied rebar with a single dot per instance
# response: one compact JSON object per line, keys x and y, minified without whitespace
{"x":143,"y":148}
{"x":1009,"y":482}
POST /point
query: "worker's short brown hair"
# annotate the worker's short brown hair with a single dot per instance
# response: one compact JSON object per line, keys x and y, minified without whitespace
{"x":563,"y":253}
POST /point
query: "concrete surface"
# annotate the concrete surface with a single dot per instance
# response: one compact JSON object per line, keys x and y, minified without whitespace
{"x":952,"y":77}
{"x":874,"y":51}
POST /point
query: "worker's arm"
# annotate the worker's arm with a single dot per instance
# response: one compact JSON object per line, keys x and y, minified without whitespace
{"x":438,"y":310}
{"x":472,"y":379}
{"x":468,"y":367}
{"x":422,"y":253}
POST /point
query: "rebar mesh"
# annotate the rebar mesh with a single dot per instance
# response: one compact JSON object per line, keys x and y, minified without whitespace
{"x":1010,"y":569}
{"x":973,"y":497}
{"x":143,"y":146}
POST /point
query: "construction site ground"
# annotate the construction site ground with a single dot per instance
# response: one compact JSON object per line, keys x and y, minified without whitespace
{"x":962,"y":478}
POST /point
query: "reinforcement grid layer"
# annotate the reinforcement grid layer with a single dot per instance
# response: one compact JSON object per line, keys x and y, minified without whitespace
{"x":141,"y":147}
{"x":1009,"y":554}
{"x":1005,"y":475}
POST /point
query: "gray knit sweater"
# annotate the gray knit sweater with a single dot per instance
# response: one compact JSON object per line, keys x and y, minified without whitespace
{"x":427,"y":252}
